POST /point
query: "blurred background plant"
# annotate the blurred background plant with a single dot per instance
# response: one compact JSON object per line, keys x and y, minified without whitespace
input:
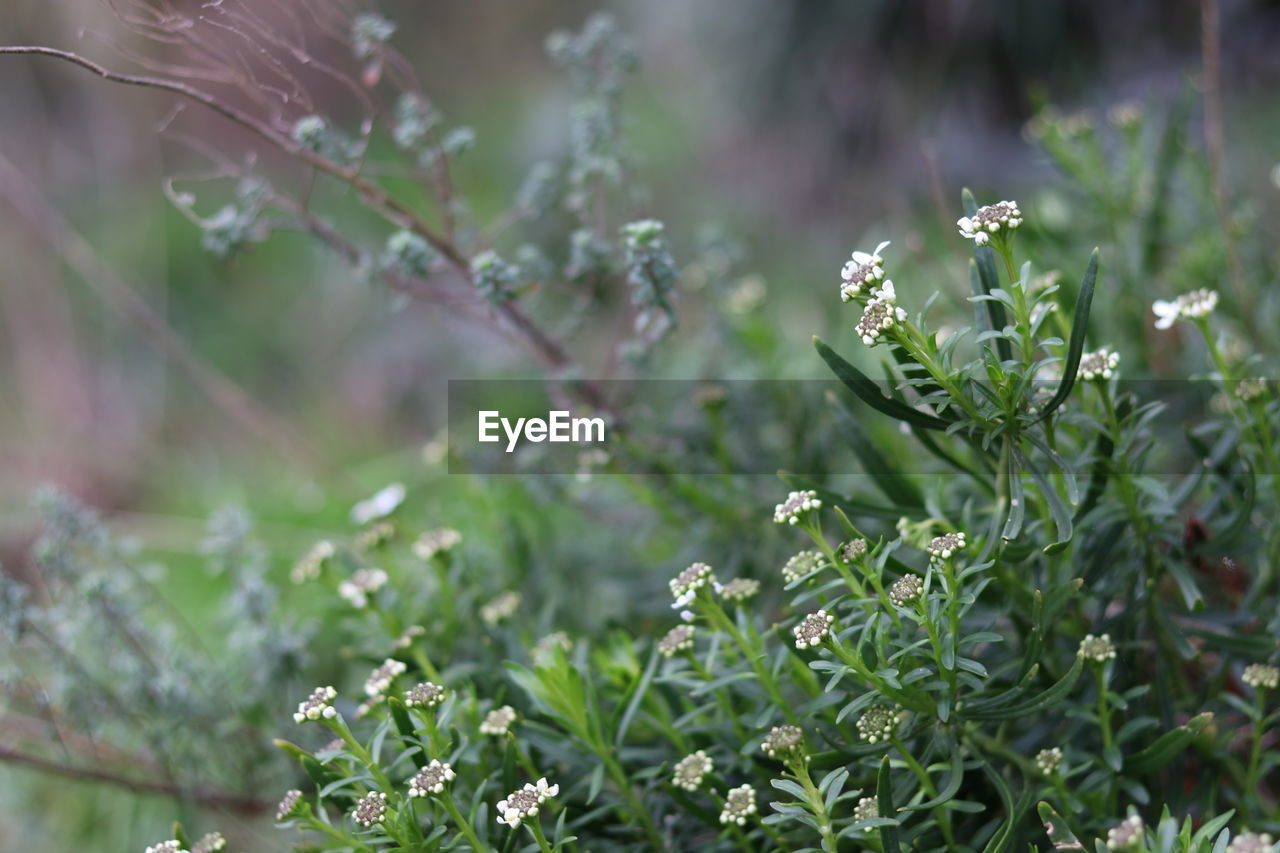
{"x":276,"y":339}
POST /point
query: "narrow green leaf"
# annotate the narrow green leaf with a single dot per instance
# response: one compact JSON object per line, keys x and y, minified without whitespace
{"x":869,"y":391}
{"x":1060,"y":835}
{"x":895,"y":486}
{"x":1075,"y":347}
{"x":1055,"y":693}
{"x":884,"y":799}
{"x":1167,"y":747}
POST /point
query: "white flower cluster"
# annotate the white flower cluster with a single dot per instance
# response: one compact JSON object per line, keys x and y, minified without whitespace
{"x":906,"y":588}
{"x":310,"y":566}
{"x":685,"y":586}
{"x":424,"y":695}
{"x":690,"y":770}
{"x":1188,"y":306}
{"x":1251,"y":842}
{"x":288,"y":804}
{"x":1100,"y":364}
{"x":813,"y":629}
{"x":370,"y":809}
{"x":861,"y":272}
{"x":801,"y":565}
{"x":796,"y":504}
{"x":990,"y":220}
{"x":381,"y":505}
{"x":524,"y":802}
{"x":1097,"y":649}
{"x":880,"y":314}
{"x":1261,"y":675}
{"x":212,"y":842}
{"x":1127,"y":835}
{"x":498,"y":721}
{"x":879,"y":722}
{"x":171,"y":846}
{"x":1048,"y":760}
{"x":362,"y":584}
{"x":678,"y":639}
{"x":739,"y":804}
{"x":431,"y":779}
{"x":380,"y":679}
{"x":739,"y":589}
{"x":944,"y":546}
{"x":435,"y":542}
{"x":501,"y":608}
{"x":866,"y":809}
{"x":316,"y":706}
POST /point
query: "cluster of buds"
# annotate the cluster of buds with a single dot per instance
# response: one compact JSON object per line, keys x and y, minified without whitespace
{"x":317,"y":706}
{"x":685,"y":585}
{"x":785,"y":743}
{"x":170,"y":846}
{"x":1188,"y":306}
{"x":424,"y":695}
{"x":500,"y":608}
{"x":691,"y":770}
{"x":796,"y":505}
{"x":370,"y":809}
{"x":523,"y":803}
{"x":739,"y":590}
{"x":1097,"y":649}
{"x":380,"y":679}
{"x":802,"y":564}
{"x":1100,"y":364}
{"x":944,"y":546}
{"x":498,"y":721}
{"x":1127,"y":835}
{"x":813,"y":629}
{"x":1048,"y":760}
{"x":853,"y":550}
{"x":431,"y":779}
{"x":861,"y":272}
{"x":879,"y":722}
{"x":211,"y":842}
{"x":904,"y":589}
{"x":989,"y":221}
{"x":288,"y":805}
{"x":435,"y":542}
{"x":361,"y":585}
{"x":866,"y":809}
{"x":407,"y":636}
{"x":739,"y":804}
{"x":375,"y":536}
{"x":1261,"y":675}
{"x":678,"y":639}
{"x":313,"y":562}
{"x":880,"y":315}
{"x":1251,"y":842}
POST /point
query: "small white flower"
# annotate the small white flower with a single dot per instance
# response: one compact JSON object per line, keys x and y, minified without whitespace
{"x":880,"y":722}
{"x":436,"y":542}
{"x":1188,"y":306}
{"x":813,"y":629}
{"x":1097,"y":649}
{"x":1251,"y":842}
{"x":690,"y":770}
{"x":1261,"y":675}
{"x":310,"y":566}
{"x":860,"y":272}
{"x":498,"y":721}
{"x":380,"y":679}
{"x":990,"y":220}
{"x":381,"y":505}
{"x":881,"y":314}
{"x":431,"y":779}
{"x":212,"y":842}
{"x":739,"y":804}
{"x":1127,"y":835}
{"x":685,"y":585}
{"x":501,"y":608}
{"x":523,"y":803}
{"x":1048,"y":760}
{"x":796,"y":505}
{"x":363,"y":583}
{"x":424,"y":695}
{"x":1099,"y":364}
{"x":678,"y":639}
{"x":319,"y":705}
{"x":370,"y":809}
{"x":906,"y":588}
{"x":944,"y":546}
{"x":171,"y":846}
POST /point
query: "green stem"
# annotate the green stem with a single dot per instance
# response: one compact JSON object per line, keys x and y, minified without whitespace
{"x":462,"y":822}
{"x":817,"y":805}
{"x":1255,"y":750}
{"x":536,"y":828}
{"x":722,"y":621}
{"x":930,"y":790}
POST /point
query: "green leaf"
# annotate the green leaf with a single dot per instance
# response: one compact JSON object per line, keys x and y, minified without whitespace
{"x":408,"y":732}
{"x":1075,"y":347}
{"x":984,"y":279}
{"x":869,"y":391}
{"x":895,"y":486}
{"x":884,"y":800}
{"x":1057,"y":509}
{"x":1167,"y":747}
{"x":1060,"y":835}
{"x":1055,"y":693}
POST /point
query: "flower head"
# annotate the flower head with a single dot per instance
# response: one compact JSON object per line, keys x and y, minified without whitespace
{"x":171,"y":846}
{"x":370,"y":809}
{"x":802,"y":564}
{"x":881,"y":314}
{"x":407,"y":636}
{"x":813,"y":629}
{"x":690,"y":770}
{"x":498,"y":721}
{"x":375,"y":535}
{"x":1097,"y":649}
{"x":361,"y":585}
{"x":904,"y":589}
{"x":424,"y":695}
{"x":435,"y":542}
{"x":1251,"y":842}
{"x":796,"y":505}
{"x":310,"y":566}
{"x":380,"y":679}
{"x":212,"y":842}
{"x":866,"y":809}
{"x":1251,"y":388}
{"x":1048,"y":760}
{"x":544,"y":649}
{"x":366,"y":707}
{"x":500,"y":608}
{"x":784,"y":743}
{"x":431,"y":779}
{"x":316,"y":706}
{"x":689,"y":581}
{"x":1261,"y":675}
{"x":523,"y":803}
{"x":740,"y":589}
{"x":853,"y":549}
{"x":1127,"y":835}
{"x":289,"y":804}
{"x":879,"y":722}
{"x":990,"y":220}
{"x":1099,"y":364}
{"x":739,"y":804}
{"x":678,"y":639}
{"x":942,"y":547}
{"x":861,"y":272}
{"x":1188,"y":306}
{"x":381,"y":505}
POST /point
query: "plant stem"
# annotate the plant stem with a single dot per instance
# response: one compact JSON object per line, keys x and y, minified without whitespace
{"x":536,"y":828}
{"x":463,"y":823}
{"x":817,"y":804}
{"x":930,"y":790}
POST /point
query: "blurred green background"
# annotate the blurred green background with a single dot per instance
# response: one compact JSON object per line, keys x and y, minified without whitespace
{"x":805,"y":130}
